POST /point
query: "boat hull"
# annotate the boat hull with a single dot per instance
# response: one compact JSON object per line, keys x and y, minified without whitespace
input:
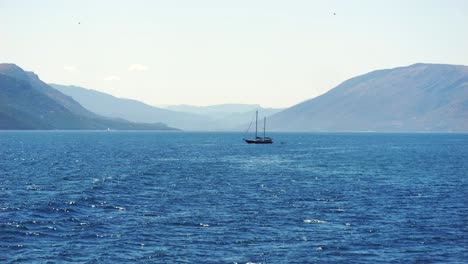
{"x":258,"y":141}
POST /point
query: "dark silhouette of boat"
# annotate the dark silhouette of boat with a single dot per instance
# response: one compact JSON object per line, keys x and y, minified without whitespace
{"x":257,"y":139}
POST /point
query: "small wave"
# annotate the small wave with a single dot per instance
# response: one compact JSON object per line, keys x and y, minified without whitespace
{"x":338,"y":210}
{"x":314,"y":221}
{"x":32,"y":187}
{"x":119,"y":208}
{"x":15,"y":225}
{"x":63,"y":210}
{"x":10,"y":208}
{"x":32,"y":234}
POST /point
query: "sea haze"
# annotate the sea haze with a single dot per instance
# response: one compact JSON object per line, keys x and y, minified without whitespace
{"x":173,"y":197}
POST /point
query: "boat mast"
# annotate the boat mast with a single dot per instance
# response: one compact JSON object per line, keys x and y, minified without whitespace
{"x":256,"y":125}
{"x":264,"y":126}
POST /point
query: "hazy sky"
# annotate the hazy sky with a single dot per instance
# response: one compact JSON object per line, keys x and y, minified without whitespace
{"x":274,"y":53}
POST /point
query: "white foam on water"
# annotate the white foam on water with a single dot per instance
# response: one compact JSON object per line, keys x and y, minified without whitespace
{"x":339,"y":210}
{"x":314,"y":221}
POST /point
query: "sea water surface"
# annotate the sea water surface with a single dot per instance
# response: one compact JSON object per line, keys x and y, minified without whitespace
{"x":173,"y":197}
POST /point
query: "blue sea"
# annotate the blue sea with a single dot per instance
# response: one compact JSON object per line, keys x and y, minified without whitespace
{"x":178,"y":197}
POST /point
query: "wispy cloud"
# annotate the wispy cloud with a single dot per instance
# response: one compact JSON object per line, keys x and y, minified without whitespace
{"x":137,"y":67}
{"x":112,"y":78}
{"x":71,"y":69}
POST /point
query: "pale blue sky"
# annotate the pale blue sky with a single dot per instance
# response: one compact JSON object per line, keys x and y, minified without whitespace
{"x":274,"y":53}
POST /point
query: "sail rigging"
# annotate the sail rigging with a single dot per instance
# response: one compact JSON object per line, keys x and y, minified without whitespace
{"x":257,"y":139}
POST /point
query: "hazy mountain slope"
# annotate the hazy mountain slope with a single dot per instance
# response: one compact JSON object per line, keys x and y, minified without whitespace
{"x":28,"y":103}
{"x":420,"y":97}
{"x":228,"y":116}
{"x":213,"y":109}
{"x":222,"y":111}
{"x":136,"y":111}
{"x":217,"y":117}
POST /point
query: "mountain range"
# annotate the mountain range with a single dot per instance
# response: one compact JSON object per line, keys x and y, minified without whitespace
{"x":416,"y":98}
{"x":26,"y":102}
{"x":193,"y":118}
{"x":222,"y":111}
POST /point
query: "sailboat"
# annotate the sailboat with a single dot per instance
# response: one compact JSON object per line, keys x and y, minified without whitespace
{"x":257,"y":139}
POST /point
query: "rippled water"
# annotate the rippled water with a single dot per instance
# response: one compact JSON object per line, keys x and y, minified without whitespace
{"x":97,"y":197}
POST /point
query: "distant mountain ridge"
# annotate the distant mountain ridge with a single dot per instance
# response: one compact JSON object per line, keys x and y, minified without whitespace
{"x":194,"y":118}
{"x":129,"y":109}
{"x":28,"y":103}
{"x":229,"y":116}
{"x":223,"y":110}
{"x":416,"y":98}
